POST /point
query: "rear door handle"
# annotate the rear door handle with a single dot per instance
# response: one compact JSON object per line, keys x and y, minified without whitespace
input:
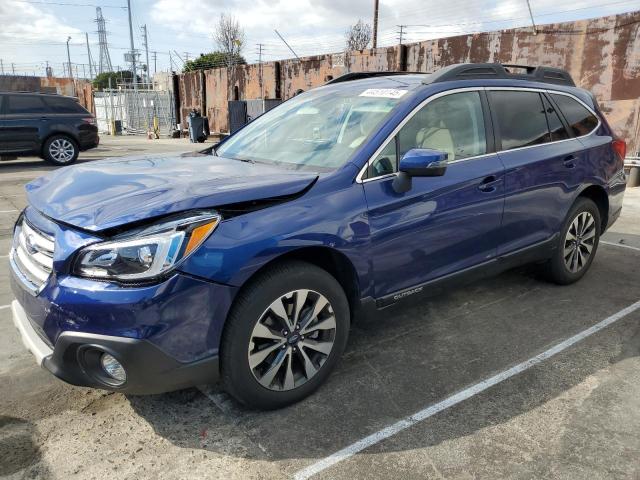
{"x":488,"y":184}
{"x":570,"y":161}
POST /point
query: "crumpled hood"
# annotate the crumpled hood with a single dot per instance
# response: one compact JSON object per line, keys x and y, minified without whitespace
{"x":108,"y":193}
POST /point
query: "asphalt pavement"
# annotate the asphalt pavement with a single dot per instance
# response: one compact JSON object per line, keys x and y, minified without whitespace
{"x":510,"y":377}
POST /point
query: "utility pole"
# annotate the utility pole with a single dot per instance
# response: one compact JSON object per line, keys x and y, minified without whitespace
{"x":375,"y":23}
{"x":133,"y":51}
{"x":13,"y":68}
{"x":401,"y":31}
{"x":533,"y":23}
{"x":69,"y":59}
{"x":186,"y":56}
{"x":260,"y":45}
{"x":86,"y":36}
{"x":1,"y":67}
{"x":155,"y":62}
{"x":146,"y":49}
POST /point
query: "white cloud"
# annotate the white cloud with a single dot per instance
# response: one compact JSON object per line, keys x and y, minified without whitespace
{"x":24,"y":23}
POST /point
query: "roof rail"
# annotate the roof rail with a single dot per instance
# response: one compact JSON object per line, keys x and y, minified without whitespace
{"x":347,"y":77}
{"x":29,"y":92}
{"x":474,"y":71}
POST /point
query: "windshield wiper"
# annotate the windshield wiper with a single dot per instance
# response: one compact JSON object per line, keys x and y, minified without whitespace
{"x":245,"y":160}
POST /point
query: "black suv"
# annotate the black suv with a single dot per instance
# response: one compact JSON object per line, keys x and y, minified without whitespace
{"x":53,"y":127}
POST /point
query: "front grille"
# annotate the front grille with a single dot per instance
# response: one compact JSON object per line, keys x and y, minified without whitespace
{"x":32,"y":256}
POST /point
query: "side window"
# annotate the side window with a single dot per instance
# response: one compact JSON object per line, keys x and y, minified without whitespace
{"x":63,"y":105}
{"x":521,"y":118}
{"x":25,"y":104}
{"x":580,"y":120}
{"x":453,"y":124}
{"x":386,"y":162}
{"x":556,"y":127}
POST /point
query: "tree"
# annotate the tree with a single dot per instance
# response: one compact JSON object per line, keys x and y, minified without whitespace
{"x":212,"y":60}
{"x":123,"y":76}
{"x":229,"y":37}
{"x":358,"y":36}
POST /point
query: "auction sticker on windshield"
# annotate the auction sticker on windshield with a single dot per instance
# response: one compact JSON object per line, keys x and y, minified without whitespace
{"x":383,"y":93}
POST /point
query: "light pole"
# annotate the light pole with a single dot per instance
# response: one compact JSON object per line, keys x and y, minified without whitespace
{"x":69,"y":59}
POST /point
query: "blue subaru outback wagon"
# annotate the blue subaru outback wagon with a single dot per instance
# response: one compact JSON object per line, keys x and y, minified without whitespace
{"x":247,"y":263}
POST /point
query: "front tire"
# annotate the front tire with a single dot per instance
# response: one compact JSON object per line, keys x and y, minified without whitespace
{"x":577,"y":244}
{"x":60,"y":150}
{"x":286,"y":332}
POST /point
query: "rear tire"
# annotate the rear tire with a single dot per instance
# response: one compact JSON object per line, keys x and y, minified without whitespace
{"x":269,"y":361}
{"x":60,"y":150}
{"x":577,"y":244}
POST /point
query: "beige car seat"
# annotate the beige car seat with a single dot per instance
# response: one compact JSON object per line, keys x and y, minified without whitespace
{"x":437,"y":138}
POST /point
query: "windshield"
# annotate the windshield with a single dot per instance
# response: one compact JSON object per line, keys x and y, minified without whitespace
{"x":320,"y":129}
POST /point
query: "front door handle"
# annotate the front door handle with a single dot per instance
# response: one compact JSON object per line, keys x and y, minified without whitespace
{"x":488,"y":184}
{"x":570,"y":161}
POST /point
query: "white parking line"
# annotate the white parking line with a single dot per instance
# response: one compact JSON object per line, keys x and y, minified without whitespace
{"x":8,"y":211}
{"x":2,"y":307}
{"x":465,"y":394}
{"x":620,"y":245}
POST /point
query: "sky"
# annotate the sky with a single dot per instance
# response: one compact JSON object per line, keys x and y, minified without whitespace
{"x":34,"y":32}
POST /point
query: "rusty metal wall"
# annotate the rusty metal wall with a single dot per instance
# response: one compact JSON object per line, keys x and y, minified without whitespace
{"x":191,"y":95}
{"x":62,"y":86}
{"x":222,"y":85}
{"x":602,"y":55}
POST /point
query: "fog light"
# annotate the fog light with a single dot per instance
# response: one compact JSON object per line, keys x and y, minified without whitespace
{"x":113,"y":368}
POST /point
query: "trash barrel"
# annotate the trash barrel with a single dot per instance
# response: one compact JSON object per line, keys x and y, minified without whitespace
{"x":196,"y":123}
{"x":633,"y":180}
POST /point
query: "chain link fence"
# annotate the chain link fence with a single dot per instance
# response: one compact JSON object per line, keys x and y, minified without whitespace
{"x":135,"y":111}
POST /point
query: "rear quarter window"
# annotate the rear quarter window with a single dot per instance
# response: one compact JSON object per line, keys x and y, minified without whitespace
{"x":521,"y":118}
{"x":581,"y":121}
{"x":64,"y":105}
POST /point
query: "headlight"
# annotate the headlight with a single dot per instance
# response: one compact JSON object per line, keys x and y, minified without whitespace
{"x":146,"y":253}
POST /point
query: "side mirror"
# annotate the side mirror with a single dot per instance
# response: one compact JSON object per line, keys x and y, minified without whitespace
{"x":419,"y":162}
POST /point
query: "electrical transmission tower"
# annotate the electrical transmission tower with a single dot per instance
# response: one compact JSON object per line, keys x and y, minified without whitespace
{"x":105,"y":59}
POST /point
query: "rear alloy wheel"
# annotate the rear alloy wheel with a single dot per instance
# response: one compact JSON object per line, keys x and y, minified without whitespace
{"x":577,"y":244}
{"x":60,"y":150}
{"x":285,"y":333}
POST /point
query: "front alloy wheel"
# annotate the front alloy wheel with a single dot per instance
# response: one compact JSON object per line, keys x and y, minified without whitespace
{"x":285,"y":333}
{"x":292,"y":339}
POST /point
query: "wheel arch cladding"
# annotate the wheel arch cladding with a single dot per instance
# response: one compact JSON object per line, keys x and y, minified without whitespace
{"x":600,"y":198}
{"x":334,"y":262}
